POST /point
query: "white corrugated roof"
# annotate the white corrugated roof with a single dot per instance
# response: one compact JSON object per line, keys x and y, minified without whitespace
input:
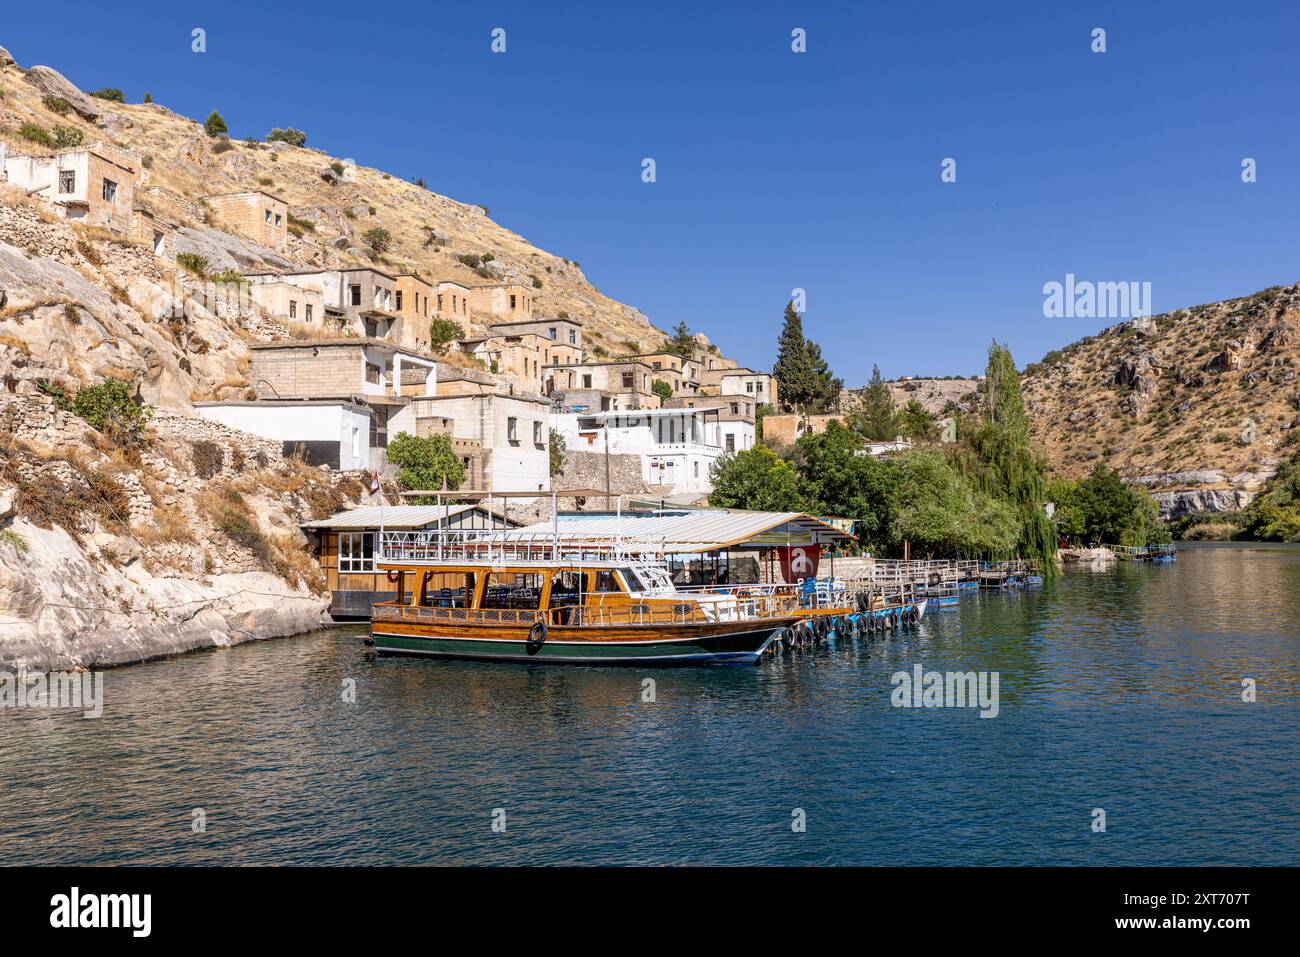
{"x":395,"y":516}
{"x":700,"y":531}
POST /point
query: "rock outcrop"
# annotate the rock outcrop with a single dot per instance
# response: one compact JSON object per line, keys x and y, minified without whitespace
{"x":50,"y":82}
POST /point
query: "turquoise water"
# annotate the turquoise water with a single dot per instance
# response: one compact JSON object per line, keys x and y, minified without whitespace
{"x":1119,"y":691}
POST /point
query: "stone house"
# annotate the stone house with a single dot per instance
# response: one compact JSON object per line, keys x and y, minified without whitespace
{"x":260,"y":216}
{"x":681,"y":373}
{"x":511,"y":429}
{"x":285,"y":301}
{"x":360,"y":301}
{"x":332,"y":384}
{"x":759,"y":386}
{"x":508,"y":302}
{"x":87,"y":184}
{"x":607,"y":386}
{"x":677,"y":446}
{"x":413,"y":303}
{"x":735,"y":417}
{"x":452,"y":301}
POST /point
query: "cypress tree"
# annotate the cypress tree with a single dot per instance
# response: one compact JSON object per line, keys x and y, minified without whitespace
{"x":793,"y":370}
{"x":877,"y":420}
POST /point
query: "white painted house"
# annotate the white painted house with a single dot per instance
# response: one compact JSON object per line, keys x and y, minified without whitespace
{"x":329,"y":431}
{"x":677,"y":446}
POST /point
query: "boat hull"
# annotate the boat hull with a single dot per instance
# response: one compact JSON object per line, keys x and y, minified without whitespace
{"x":740,"y":645}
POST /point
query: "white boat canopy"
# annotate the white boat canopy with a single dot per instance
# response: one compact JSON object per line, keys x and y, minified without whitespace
{"x":700,"y":530}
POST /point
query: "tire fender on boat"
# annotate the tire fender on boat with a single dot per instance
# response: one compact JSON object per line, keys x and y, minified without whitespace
{"x":536,"y":637}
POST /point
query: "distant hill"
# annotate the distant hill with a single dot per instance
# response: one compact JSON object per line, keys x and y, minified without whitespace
{"x":1198,"y":404}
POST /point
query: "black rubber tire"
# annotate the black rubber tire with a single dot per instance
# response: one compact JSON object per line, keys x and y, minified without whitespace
{"x":536,"y":637}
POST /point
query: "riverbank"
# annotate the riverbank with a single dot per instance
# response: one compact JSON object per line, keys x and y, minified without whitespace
{"x":62,"y":610}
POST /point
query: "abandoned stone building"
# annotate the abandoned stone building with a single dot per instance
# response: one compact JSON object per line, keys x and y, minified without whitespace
{"x":88,"y":184}
{"x":260,"y":216}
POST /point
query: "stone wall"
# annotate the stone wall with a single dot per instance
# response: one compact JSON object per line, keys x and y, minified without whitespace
{"x":296,"y":373}
{"x":587,"y":470}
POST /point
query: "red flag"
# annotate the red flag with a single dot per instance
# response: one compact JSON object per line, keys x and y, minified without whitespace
{"x":798,"y":561}
{"x":374,"y":484}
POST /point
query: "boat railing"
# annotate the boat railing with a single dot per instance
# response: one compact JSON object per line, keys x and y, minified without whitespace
{"x":453,"y":546}
{"x":595,"y":615}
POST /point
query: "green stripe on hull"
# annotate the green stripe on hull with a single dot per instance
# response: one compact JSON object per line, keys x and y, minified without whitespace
{"x":743,"y":648}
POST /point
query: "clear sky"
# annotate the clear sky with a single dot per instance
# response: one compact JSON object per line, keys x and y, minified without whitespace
{"x":778,"y":170}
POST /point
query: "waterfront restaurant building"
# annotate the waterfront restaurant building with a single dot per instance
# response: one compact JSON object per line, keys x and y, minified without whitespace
{"x":345,"y":547}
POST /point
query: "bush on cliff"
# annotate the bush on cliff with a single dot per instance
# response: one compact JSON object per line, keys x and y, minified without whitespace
{"x":112,"y":409}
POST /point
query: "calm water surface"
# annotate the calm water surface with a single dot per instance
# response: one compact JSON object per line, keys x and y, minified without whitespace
{"x":1119,"y":691}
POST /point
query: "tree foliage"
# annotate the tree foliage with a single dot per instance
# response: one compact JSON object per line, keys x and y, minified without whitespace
{"x":110,"y":408}
{"x":998,"y":458}
{"x":215,"y":125}
{"x":1274,"y":514}
{"x":1102,"y":509}
{"x":424,"y":462}
{"x":291,"y":136}
{"x":557,"y":450}
{"x":943,"y":514}
{"x":378,"y":239}
{"x":662,"y":389}
{"x":681,"y":342}
{"x":442,"y":333}
{"x":876,"y":420}
{"x":793,"y":370}
{"x":757,"y":479}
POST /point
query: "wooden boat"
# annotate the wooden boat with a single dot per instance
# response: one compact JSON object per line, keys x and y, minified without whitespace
{"x":503,"y":596}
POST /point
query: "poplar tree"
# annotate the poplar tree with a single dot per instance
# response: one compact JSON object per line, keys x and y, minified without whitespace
{"x":999,"y":459}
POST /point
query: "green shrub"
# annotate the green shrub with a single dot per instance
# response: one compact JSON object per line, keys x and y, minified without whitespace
{"x":108,"y":93}
{"x":442,"y":333}
{"x":193,"y":262}
{"x":36,"y":134}
{"x":662,"y":389}
{"x":110,"y":408}
{"x":291,"y":136}
{"x":66,"y":136}
{"x":378,"y":239}
{"x":470,"y":260}
{"x":57,"y":104}
{"x":15,"y":540}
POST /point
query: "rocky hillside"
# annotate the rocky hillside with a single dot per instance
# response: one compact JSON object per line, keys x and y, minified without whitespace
{"x":1198,"y":404}
{"x":332,"y":202}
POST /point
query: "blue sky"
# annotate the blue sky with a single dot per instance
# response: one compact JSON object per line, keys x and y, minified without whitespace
{"x":778,"y":170}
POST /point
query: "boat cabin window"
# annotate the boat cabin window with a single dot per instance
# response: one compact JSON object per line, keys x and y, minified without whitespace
{"x":512,"y":590}
{"x":566,"y":589}
{"x":604,"y":580}
{"x":447,"y":590}
{"x":632,"y":580}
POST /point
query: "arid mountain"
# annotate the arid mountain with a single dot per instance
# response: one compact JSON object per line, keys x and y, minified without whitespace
{"x":1198,"y":404}
{"x":333,"y":203}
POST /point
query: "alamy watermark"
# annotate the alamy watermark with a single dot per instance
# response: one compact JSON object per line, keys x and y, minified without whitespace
{"x":919,"y":688}
{"x":79,"y":690}
{"x":1084,"y":299}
